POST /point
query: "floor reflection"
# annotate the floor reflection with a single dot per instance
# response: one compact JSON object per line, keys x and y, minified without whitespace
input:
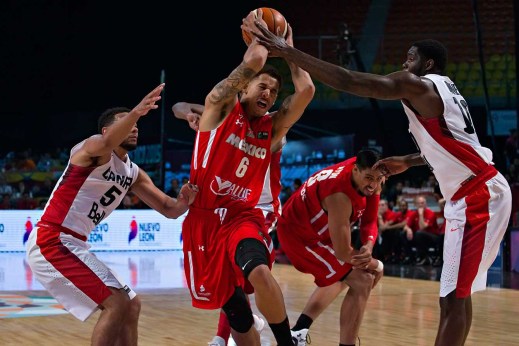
{"x":164,"y":269}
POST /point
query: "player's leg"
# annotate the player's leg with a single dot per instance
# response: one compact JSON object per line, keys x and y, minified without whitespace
{"x":253,"y":257}
{"x":354,"y":304}
{"x":320,"y":299}
{"x":80,"y":282}
{"x":474,"y":230}
{"x":241,"y":321}
{"x":118,"y":320}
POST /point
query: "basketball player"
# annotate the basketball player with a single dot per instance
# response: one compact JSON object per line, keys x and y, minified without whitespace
{"x":97,"y":177}
{"x":315,"y":232}
{"x":224,"y":237}
{"x":478,"y":197}
{"x":269,"y":203}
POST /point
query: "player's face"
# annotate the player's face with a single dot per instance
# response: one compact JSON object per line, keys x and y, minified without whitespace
{"x":260,"y":95}
{"x":414,"y":63}
{"x":130,"y":142}
{"x":382,"y":206}
{"x":367,"y":181}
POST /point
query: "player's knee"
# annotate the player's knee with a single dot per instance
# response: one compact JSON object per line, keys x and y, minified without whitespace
{"x":135,"y":308}
{"x":361,"y":281}
{"x":251,"y":253}
{"x":238,"y":312}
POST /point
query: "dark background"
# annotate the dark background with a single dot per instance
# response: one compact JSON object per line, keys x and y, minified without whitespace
{"x":64,"y":62}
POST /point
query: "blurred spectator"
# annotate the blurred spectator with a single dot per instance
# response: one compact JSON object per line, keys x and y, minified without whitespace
{"x":394,"y":193}
{"x":511,"y":145}
{"x":4,"y":186}
{"x":426,"y":232}
{"x":174,"y":189}
{"x":390,"y":225}
{"x":6,"y":202}
{"x":22,"y":188}
{"x":25,"y":202}
{"x":25,"y":162}
{"x":45,"y":189}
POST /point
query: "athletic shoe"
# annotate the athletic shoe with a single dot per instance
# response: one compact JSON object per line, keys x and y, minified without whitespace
{"x":259,"y":323}
{"x":301,"y":337}
{"x":217,"y":341}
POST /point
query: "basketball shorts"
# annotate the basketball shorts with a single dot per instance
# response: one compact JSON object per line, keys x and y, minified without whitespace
{"x":210,"y":238}
{"x":313,"y":256}
{"x":72,"y":274}
{"x":475,"y":226}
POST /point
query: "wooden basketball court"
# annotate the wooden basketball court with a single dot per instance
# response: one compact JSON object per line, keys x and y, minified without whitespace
{"x":400,"y":312}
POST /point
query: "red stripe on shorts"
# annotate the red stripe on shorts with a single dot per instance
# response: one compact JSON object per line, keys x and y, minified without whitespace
{"x":477,"y":217}
{"x":70,"y":266}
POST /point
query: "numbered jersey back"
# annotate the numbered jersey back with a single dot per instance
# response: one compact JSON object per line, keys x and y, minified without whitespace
{"x":84,"y":196}
{"x":449,"y":144}
{"x":230,"y":162}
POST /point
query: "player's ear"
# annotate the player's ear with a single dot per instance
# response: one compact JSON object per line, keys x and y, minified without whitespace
{"x":429,"y":64}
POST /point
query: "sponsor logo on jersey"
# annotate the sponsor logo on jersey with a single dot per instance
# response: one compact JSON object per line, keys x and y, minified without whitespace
{"x":263,"y":135}
{"x":222,"y":187}
{"x":249,"y":149}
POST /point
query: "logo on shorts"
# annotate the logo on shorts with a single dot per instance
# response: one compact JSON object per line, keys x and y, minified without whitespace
{"x":202,"y":292}
{"x":454,"y":229}
{"x":127,"y":289}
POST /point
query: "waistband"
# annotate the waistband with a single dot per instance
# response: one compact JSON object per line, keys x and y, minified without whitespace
{"x":471,"y":182}
{"x":58,"y":228}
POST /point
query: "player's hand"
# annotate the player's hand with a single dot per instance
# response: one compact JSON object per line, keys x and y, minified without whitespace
{"x":193,"y":120}
{"x":187,"y":193}
{"x":391,"y":165}
{"x":148,"y":102}
{"x":290,"y":36}
{"x":258,"y":28}
{"x":362,"y":259}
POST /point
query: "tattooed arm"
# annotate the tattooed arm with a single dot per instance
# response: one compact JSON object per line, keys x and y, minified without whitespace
{"x":221,"y":100}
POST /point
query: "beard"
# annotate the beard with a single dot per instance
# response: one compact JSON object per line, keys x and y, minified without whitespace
{"x":128,"y":146}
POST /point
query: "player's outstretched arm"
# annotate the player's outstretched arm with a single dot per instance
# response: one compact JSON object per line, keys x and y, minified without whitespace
{"x":158,"y":200}
{"x":191,"y":112}
{"x":398,"y":164}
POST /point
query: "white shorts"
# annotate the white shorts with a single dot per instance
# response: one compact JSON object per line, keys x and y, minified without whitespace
{"x":475,"y":226}
{"x":72,"y":274}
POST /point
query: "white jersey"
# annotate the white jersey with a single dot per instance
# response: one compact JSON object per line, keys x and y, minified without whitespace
{"x":84,"y":196}
{"x":449,"y":143}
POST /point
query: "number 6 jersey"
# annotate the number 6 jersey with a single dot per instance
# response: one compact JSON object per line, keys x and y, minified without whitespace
{"x":84,"y":196}
{"x":230,"y":162}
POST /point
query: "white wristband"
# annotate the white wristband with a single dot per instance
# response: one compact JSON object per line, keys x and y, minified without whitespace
{"x":380,"y":266}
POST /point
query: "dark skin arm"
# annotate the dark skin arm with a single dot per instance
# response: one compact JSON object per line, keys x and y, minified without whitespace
{"x":403,"y":85}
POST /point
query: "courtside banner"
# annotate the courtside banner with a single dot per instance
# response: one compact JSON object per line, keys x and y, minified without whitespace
{"x":123,"y":230}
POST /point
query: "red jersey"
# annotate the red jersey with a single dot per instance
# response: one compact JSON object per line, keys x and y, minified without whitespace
{"x":229,"y":163}
{"x":304,"y":206}
{"x":429,"y":216}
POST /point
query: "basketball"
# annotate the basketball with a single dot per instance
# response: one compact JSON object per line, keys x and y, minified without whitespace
{"x":274,"y":19}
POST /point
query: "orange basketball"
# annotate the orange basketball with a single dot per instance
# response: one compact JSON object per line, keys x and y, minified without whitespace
{"x":275,"y":21}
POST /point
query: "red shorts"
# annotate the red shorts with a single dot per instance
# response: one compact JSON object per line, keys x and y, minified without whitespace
{"x":311,"y":255}
{"x":210,"y":239}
